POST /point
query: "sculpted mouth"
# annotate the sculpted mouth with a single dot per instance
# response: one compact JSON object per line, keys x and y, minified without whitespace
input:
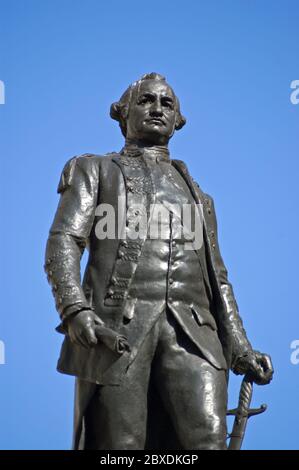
{"x":157,"y":121}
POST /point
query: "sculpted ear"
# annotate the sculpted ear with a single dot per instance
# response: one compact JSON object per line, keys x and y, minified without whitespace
{"x":179,"y":122}
{"x":118,"y":112}
{"x":115,"y":112}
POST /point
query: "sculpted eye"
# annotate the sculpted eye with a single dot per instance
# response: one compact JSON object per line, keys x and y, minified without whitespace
{"x":168,"y":104}
{"x":145,"y":99}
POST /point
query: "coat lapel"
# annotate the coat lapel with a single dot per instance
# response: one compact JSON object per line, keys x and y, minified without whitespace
{"x":196,"y":192}
{"x":200,"y":198}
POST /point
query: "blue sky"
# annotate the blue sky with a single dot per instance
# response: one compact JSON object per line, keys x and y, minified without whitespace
{"x":231,"y":63}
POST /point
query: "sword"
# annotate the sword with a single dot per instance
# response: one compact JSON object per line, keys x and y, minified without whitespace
{"x":242,"y":413}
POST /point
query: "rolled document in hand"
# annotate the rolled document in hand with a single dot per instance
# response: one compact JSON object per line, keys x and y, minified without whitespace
{"x":112,"y":340}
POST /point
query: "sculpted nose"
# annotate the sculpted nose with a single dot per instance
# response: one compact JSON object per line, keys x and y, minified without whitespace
{"x":156,"y":109}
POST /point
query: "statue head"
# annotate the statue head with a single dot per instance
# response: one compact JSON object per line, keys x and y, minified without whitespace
{"x":148,"y":111}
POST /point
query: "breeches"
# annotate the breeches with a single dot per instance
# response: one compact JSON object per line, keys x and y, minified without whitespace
{"x":193,"y":394}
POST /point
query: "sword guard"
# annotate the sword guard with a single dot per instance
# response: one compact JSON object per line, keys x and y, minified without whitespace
{"x":257,"y":411}
{"x":250,"y":412}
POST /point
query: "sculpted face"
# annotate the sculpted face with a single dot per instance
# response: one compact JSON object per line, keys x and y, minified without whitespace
{"x":152,"y":114}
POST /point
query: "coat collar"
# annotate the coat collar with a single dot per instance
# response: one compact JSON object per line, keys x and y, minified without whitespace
{"x":155,"y":152}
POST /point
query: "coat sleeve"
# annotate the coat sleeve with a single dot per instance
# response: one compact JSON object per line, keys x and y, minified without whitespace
{"x":78,"y":188}
{"x":233,"y":325}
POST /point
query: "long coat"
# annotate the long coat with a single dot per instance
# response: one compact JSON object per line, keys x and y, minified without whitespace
{"x":86,"y":182}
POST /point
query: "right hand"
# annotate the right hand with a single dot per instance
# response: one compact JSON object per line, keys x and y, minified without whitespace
{"x":81,"y":328}
{"x":257,"y":365}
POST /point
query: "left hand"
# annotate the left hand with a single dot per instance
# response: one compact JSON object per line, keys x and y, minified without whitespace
{"x":257,"y":365}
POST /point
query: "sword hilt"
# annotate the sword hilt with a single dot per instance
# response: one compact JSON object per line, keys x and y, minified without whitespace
{"x":242,"y":413}
{"x":250,"y":412}
{"x":245,"y":396}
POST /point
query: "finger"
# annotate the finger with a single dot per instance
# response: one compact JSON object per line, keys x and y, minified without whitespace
{"x":267,"y":363}
{"x":256,"y":367}
{"x":126,"y":345}
{"x":90,"y":336}
{"x":264,"y":360}
{"x":259,"y":378}
{"x":268,"y":375}
{"x":265,"y":380}
{"x":80,"y":340}
{"x":256,"y":372}
{"x":75,"y":339}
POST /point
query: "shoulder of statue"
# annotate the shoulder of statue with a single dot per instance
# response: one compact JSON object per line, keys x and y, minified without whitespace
{"x":182,"y":168}
{"x":89,"y":163}
{"x":206,"y":198}
{"x":179,"y":163}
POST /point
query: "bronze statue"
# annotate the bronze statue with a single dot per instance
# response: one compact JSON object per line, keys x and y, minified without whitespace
{"x":154,"y":328}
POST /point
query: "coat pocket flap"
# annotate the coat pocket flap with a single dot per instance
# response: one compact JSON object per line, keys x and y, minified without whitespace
{"x":203,"y":317}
